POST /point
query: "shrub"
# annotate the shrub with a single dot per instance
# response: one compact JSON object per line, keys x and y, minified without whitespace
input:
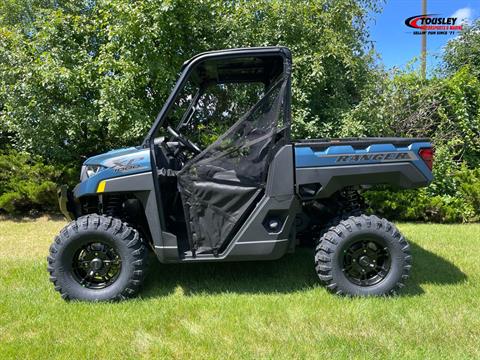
{"x":27,"y":185}
{"x":462,"y":205}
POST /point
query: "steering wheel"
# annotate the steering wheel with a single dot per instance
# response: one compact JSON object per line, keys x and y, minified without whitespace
{"x":185,"y":142}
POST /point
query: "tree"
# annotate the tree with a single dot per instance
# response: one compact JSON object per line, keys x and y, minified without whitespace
{"x":444,"y":108}
{"x":81,"y":77}
{"x":464,"y":50}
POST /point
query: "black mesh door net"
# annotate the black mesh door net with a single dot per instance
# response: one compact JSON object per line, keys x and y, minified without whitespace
{"x":221,"y":185}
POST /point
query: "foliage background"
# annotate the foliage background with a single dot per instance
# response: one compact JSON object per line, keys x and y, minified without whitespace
{"x":78,"y":78}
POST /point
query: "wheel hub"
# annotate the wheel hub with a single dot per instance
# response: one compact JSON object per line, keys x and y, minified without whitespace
{"x":96,"y":264}
{"x":365,"y":262}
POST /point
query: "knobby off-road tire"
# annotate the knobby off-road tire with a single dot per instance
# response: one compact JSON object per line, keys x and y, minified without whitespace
{"x":350,"y":257}
{"x":126,"y":253}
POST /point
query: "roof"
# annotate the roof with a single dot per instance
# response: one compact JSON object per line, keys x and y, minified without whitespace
{"x":265,"y":50}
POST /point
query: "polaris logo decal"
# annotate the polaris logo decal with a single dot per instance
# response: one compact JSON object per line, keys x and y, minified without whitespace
{"x":126,"y":165}
{"x":382,"y":157}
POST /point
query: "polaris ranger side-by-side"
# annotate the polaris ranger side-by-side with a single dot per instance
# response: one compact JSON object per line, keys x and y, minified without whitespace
{"x":218,"y":178}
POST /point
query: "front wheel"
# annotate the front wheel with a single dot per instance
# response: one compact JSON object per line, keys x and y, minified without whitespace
{"x":97,"y":258}
{"x":363,"y":256}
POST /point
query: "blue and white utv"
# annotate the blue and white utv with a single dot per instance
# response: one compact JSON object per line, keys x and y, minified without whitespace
{"x":219,"y":178}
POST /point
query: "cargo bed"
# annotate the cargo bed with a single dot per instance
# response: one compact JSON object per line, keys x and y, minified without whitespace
{"x":324,"y":166}
{"x":357,"y":142}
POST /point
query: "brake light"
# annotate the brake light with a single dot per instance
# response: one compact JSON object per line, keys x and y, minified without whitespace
{"x":427,"y":156}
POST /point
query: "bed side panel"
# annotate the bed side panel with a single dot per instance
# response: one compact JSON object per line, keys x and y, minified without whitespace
{"x":329,"y":170}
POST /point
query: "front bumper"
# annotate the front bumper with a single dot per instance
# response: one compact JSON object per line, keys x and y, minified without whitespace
{"x":66,"y":202}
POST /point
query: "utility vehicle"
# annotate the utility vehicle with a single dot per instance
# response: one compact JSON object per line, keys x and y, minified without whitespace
{"x":218,"y":178}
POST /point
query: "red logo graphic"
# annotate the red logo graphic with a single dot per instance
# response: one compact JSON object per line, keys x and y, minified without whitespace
{"x":433,"y":23}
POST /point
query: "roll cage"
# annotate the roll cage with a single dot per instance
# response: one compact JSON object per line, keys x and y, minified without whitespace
{"x":235,"y":65}
{"x":234,"y":72}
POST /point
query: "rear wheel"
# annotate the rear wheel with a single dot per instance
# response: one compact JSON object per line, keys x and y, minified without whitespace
{"x":97,"y":258}
{"x":363,"y":255}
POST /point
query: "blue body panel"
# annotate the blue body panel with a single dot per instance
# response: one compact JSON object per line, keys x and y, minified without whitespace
{"x":112,"y":154}
{"x":306,"y":157}
{"x":115,"y":163}
{"x":129,"y":161}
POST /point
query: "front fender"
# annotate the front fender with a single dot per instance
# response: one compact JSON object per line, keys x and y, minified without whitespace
{"x":139,"y":185}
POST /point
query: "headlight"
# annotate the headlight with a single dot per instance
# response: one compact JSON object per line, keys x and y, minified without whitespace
{"x":89,"y":170}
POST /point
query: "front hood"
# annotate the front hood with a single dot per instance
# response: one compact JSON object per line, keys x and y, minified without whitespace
{"x":109,"y":158}
{"x":115,"y":163}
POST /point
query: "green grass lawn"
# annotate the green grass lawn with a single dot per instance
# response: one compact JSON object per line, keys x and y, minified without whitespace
{"x":245,"y":310}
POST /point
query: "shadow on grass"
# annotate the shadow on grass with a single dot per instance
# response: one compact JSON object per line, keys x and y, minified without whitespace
{"x":292,"y":273}
{"x":429,"y":268}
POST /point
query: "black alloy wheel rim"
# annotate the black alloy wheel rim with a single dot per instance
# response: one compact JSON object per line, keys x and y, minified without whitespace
{"x":96,"y":265}
{"x":366,"y":261}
